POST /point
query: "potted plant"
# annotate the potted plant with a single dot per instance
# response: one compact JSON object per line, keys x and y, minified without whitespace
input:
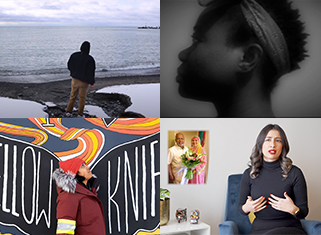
{"x":164,"y":206}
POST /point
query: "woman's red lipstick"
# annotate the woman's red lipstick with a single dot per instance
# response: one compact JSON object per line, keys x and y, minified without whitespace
{"x":272,"y":151}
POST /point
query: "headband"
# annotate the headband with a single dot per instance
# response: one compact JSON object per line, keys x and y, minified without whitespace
{"x":267,"y":31}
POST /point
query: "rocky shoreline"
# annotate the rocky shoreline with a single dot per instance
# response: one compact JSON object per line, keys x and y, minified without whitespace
{"x":57,"y":94}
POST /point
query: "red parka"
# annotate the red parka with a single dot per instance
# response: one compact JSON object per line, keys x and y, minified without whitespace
{"x":79,"y":210}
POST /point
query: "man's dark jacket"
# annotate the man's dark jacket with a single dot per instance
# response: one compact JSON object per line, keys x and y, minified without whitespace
{"x":82,"y":66}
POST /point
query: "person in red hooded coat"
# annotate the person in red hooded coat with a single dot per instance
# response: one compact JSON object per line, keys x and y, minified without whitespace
{"x":79,"y":210}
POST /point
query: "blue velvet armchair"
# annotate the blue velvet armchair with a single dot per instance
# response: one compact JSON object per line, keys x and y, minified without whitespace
{"x":236,"y":223}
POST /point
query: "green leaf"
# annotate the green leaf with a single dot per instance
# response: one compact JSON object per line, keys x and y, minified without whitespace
{"x":164,"y":193}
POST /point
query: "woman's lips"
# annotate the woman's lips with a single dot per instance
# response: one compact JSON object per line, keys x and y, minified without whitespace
{"x":179,"y":78}
{"x":180,"y":73}
{"x":272,"y":151}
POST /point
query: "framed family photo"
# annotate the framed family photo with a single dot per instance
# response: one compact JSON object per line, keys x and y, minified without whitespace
{"x":187,"y":157}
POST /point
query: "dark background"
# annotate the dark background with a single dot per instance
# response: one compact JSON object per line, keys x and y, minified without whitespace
{"x":298,"y":93}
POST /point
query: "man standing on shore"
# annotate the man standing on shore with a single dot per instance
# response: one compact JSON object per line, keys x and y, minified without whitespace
{"x":82,"y":70}
{"x":176,"y":169}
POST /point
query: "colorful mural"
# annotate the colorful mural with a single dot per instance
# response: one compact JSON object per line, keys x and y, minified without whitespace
{"x":123,"y":153}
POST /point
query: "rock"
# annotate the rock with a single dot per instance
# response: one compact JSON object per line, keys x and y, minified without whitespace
{"x":130,"y":114}
{"x":114,"y":105}
{"x":58,"y":92}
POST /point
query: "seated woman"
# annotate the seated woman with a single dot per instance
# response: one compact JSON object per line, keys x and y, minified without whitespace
{"x":199,"y":170}
{"x":273,"y":188}
{"x":240,"y":50}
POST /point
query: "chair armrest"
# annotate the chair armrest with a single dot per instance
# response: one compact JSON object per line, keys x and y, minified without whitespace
{"x":228,"y":228}
{"x":311,"y":227}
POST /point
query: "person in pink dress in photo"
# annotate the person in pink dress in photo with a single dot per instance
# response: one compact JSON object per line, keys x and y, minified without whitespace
{"x":198,"y":171}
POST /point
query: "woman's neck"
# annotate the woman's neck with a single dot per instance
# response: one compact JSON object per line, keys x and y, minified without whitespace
{"x":271,"y":165}
{"x":247,"y":101}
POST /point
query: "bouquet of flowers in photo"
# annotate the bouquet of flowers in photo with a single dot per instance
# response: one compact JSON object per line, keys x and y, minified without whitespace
{"x":191,"y":160}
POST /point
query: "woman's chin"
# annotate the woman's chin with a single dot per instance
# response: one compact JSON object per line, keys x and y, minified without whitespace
{"x":186,"y":91}
{"x":191,"y":92}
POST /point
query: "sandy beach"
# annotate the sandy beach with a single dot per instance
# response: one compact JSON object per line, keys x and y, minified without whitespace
{"x":57,"y":92}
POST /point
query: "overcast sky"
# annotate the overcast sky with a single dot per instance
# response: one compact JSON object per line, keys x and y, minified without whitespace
{"x":80,"y":12}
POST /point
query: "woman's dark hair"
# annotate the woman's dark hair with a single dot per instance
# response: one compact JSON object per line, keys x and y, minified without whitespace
{"x":79,"y":178}
{"x":240,"y":33}
{"x":257,"y":155}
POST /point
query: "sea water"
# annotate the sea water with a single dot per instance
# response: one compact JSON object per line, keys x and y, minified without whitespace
{"x":26,"y":51}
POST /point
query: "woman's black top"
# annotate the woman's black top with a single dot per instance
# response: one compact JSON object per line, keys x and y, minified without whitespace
{"x":271,"y":181}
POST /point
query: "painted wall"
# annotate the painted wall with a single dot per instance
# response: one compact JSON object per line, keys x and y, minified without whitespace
{"x":297,"y":94}
{"x":123,"y":153}
{"x":230,"y":145}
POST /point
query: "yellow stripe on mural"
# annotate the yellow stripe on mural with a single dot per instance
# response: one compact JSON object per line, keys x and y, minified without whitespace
{"x":55,"y":130}
{"x":157,"y":231}
{"x":40,"y":136}
{"x":93,"y":144}
{"x":146,"y":122}
{"x":132,"y":126}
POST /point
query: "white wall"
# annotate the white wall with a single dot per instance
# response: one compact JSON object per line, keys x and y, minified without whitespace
{"x":230,"y":145}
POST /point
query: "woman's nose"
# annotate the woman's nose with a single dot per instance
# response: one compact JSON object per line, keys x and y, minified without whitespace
{"x":184,"y":54}
{"x":273,"y":143}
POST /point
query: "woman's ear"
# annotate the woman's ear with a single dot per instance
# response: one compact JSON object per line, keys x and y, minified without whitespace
{"x":251,"y":57}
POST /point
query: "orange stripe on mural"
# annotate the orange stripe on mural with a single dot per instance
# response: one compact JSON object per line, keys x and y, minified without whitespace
{"x":95,"y":141}
{"x":90,"y":143}
{"x":56,"y":129}
{"x":73,"y":133}
{"x":79,"y":148}
{"x":96,"y":121}
{"x":40,"y":137}
{"x":136,"y":126}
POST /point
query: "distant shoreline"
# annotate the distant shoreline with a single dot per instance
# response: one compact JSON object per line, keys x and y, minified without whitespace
{"x":149,"y":27}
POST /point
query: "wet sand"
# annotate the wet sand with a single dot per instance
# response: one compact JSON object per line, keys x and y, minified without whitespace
{"x":58,"y":92}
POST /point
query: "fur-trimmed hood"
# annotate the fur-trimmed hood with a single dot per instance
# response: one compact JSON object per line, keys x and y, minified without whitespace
{"x":65,"y":181}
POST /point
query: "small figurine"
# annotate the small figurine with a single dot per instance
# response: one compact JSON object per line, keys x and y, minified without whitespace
{"x":195,"y":216}
{"x":181,"y":215}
